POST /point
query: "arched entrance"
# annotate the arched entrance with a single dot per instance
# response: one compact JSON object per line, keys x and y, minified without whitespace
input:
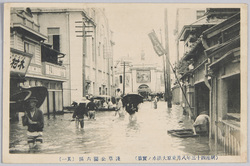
{"x":144,"y":90}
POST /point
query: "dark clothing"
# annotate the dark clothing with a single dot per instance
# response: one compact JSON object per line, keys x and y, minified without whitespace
{"x":37,"y":117}
{"x":91,"y":106}
{"x":80,"y":111}
{"x":131,"y":108}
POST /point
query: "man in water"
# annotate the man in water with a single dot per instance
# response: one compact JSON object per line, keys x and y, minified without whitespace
{"x":201,"y":123}
{"x":34,"y":119}
{"x":119,"y":109}
{"x":131,"y":108}
{"x":91,"y":107}
{"x":79,"y":114}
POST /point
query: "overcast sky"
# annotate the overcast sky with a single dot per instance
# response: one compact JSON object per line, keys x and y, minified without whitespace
{"x":131,"y":25}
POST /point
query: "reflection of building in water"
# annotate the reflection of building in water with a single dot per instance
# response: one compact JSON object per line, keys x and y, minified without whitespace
{"x":143,"y":78}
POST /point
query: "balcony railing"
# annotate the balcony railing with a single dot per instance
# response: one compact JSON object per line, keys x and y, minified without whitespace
{"x":18,"y":18}
{"x":54,"y":71}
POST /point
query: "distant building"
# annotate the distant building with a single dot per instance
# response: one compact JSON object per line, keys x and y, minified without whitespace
{"x":143,"y":78}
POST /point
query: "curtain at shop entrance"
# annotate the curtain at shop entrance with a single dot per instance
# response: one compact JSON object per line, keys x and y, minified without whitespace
{"x":202,"y":98}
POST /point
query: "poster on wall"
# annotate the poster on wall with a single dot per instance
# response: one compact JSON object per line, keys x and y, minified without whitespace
{"x":143,"y":76}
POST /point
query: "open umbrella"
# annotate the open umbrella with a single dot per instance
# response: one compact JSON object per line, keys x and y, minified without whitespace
{"x":82,"y":100}
{"x":17,"y":100}
{"x":132,"y":98}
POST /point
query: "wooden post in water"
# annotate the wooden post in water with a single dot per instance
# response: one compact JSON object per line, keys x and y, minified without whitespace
{"x":167,"y":66}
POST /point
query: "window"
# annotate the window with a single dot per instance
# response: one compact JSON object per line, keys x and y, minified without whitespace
{"x":54,"y":38}
{"x":93,"y":49}
{"x":234,"y":94}
{"x":200,"y":13}
{"x":30,"y":48}
{"x":100,"y":90}
{"x":99,"y":49}
{"x":120,"y":79}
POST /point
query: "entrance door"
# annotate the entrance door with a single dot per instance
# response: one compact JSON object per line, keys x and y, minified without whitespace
{"x":202,"y":98}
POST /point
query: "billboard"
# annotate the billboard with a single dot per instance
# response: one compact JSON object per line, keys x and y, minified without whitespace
{"x":143,"y":76}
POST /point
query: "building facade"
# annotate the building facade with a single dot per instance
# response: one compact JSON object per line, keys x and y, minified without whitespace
{"x":144,"y":78}
{"x":210,"y":74}
{"x":84,"y":36}
{"x":32,"y":62}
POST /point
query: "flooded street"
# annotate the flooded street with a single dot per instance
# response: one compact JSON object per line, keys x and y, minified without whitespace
{"x":109,"y":134}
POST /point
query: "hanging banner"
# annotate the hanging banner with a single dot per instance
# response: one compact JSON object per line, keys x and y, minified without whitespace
{"x":156,"y":44}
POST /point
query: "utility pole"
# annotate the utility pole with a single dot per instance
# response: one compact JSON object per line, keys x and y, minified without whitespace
{"x":164,"y":72}
{"x":176,"y":33}
{"x":84,"y":47}
{"x":123,"y":90}
{"x":167,"y":66}
{"x":83,"y":58}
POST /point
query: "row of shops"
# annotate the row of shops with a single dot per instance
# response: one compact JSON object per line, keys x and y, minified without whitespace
{"x":211,"y":76}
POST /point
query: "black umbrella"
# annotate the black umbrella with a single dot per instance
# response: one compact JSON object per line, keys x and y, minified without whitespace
{"x":18,"y":99}
{"x":133,"y":98}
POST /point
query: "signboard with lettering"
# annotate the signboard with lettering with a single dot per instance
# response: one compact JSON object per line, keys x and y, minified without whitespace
{"x":19,"y":63}
{"x":143,"y":76}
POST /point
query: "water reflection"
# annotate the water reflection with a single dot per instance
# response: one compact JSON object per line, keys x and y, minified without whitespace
{"x":110,"y":134}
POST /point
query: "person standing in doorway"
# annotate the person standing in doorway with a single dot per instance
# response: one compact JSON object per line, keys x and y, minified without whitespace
{"x":34,"y":119}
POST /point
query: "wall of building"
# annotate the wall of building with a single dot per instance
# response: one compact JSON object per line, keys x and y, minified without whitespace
{"x":59,"y":20}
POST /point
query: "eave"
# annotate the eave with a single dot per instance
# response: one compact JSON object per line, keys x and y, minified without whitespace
{"x":30,"y":31}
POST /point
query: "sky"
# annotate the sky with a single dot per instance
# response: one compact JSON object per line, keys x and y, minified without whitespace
{"x":131,"y":25}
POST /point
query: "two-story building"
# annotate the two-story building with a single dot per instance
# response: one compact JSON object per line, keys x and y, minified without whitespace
{"x":210,"y":70}
{"x":32,"y":62}
{"x":222,"y":48}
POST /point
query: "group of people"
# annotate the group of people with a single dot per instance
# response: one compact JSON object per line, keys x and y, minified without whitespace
{"x":82,"y":110}
{"x":108,"y":105}
{"x":34,"y":119}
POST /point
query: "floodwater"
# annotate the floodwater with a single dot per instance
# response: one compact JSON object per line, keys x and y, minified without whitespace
{"x":109,"y":134}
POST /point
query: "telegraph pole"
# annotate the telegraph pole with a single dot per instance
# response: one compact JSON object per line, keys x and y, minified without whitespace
{"x":164,"y":72}
{"x":167,"y":66}
{"x":83,"y":58}
{"x":84,"y":47}
{"x":123,"y":91}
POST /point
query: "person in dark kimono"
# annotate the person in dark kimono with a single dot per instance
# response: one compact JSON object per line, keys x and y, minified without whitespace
{"x":34,"y":119}
{"x":79,"y":114}
{"x":91,"y":107}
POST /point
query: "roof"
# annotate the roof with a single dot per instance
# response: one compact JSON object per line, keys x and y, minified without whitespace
{"x":186,"y":30}
{"x":217,"y":28}
{"x":223,"y":46}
